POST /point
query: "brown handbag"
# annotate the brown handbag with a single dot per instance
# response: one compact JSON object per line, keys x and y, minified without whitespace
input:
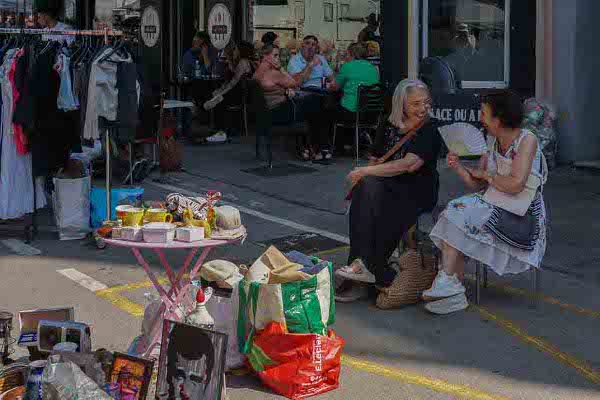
{"x":171,"y":154}
{"x":417,"y":272}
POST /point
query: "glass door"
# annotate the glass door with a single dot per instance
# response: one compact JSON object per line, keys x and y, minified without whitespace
{"x":472,"y":36}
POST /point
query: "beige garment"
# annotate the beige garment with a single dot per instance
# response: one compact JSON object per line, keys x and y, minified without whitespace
{"x":274,"y":96}
{"x":273,"y":268}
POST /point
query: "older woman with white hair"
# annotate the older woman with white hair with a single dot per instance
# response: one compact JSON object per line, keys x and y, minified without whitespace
{"x":388,"y":194}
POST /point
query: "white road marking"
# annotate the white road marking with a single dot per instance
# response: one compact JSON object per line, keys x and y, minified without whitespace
{"x":261,"y":215}
{"x":87,"y":282}
{"x":21,"y":248}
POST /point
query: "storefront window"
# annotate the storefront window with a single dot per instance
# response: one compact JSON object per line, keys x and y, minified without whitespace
{"x":472,"y":37}
{"x":15,"y":13}
{"x":123,"y":15}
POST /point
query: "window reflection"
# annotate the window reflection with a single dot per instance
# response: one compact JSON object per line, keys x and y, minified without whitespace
{"x":15,"y":13}
{"x":470,"y":36}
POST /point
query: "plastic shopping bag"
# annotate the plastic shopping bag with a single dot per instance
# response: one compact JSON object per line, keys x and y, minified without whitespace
{"x":64,"y":380}
{"x":306,"y":306}
{"x":118,"y":196}
{"x":296,"y":366}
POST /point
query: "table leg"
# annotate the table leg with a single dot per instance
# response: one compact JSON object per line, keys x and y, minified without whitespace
{"x":161,"y":291}
{"x":176,"y":280}
{"x":179,"y":287}
{"x":193,"y":273}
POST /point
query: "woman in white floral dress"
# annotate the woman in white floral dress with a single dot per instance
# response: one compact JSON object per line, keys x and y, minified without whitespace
{"x":462,"y":229}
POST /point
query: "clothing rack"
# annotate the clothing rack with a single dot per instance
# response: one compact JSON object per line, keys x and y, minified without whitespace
{"x":103,"y":32}
{"x":31,"y":229}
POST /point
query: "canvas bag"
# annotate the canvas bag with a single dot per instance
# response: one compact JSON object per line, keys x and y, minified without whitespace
{"x":71,"y":203}
{"x":301,"y":306}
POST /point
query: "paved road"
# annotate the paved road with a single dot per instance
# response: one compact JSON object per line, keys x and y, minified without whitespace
{"x":516,"y":344}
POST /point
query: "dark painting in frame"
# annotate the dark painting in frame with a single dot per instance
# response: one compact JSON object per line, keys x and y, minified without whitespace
{"x":192,"y":363}
{"x":135,"y":371}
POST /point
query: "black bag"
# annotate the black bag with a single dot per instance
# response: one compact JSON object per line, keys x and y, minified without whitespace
{"x":521,"y":232}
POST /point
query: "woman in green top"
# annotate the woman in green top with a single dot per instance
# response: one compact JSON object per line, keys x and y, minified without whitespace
{"x":356,"y":71}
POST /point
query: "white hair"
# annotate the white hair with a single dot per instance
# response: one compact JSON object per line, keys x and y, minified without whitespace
{"x":399,"y":99}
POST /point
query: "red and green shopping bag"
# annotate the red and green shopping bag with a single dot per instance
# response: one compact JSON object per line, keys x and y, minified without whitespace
{"x":297,"y":366}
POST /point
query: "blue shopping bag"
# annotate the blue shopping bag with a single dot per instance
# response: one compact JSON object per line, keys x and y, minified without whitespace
{"x":118,"y":196}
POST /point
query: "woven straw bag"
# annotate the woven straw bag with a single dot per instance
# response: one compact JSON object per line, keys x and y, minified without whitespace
{"x":417,"y":272}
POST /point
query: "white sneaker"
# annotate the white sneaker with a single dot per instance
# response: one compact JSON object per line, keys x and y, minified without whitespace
{"x":364,"y":275}
{"x":443,"y":286}
{"x":448,"y":305}
{"x":219,"y":137}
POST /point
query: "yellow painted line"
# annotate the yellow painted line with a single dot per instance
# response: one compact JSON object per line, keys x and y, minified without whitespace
{"x":461,"y":391}
{"x":543,"y":298}
{"x":580,"y":366}
{"x":121,"y":302}
{"x":331,"y":251}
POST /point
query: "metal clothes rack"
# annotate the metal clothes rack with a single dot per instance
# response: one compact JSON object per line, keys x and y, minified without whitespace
{"x":31,"y":229}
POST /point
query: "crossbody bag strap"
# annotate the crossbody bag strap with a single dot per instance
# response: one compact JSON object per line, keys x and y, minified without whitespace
{"x":409,"y":135}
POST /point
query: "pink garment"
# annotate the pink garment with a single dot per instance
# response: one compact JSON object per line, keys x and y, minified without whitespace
{"x":20,"y":138}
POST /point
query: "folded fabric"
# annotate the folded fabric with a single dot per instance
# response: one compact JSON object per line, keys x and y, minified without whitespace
{"x":273,"y":267}
{"x":315,"y":269}
{"x":233,"y":234}
{"x":310,"y":267}
{"x":300,"y":258}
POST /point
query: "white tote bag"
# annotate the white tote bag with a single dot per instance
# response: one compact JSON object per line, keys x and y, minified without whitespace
{"x":71,"y":202}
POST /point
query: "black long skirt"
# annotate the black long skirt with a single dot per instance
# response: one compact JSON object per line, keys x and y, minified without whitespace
{"x":382,"y":211}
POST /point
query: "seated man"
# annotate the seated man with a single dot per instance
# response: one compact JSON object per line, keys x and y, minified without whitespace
{"x":308,"y":68}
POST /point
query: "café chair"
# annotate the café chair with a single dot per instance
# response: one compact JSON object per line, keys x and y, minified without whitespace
{"x":369,"y":113}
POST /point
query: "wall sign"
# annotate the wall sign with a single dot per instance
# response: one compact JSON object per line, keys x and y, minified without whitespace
{"x":220,"y":25}
{"x":451,"y":108}
{"x":150,"y":26}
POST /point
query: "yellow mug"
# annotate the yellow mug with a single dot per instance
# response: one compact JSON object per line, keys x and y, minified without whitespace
{"x":158,"y":215}
{"x":133,"y":217}
{"x":120,"y":210}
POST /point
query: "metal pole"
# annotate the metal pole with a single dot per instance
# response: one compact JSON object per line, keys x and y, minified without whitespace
{"x":108,"y":174}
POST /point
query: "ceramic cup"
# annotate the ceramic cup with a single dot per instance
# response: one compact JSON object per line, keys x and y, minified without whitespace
{"x":133,"y":217}
{"x":158,"y":215}
{"x":120,"y":210}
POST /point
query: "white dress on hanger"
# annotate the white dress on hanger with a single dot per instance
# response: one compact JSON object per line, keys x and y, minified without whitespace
{"x":16,"y":184}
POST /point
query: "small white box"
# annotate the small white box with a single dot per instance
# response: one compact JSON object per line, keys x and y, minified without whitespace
{"x":131,"y":233}
{"x":117,"y":233}
{"x":158,"y":232}
{"x":190,"y":234}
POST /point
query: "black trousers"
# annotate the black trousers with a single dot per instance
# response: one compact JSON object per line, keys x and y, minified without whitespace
{"x":382,"y":211}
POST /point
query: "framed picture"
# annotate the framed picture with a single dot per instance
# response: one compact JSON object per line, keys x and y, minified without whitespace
{"x":132,"y":374}
{"x":192,"y":363}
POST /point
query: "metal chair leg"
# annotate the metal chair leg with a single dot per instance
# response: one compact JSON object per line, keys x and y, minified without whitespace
{"x":356,"y":132}
{"x":334,"y":135}
{"x":478,"y":274}
{"x":130,"y":146}
{"x":535,"y":280}
{"x":485,"y":277}
{"x":245,"y":117}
